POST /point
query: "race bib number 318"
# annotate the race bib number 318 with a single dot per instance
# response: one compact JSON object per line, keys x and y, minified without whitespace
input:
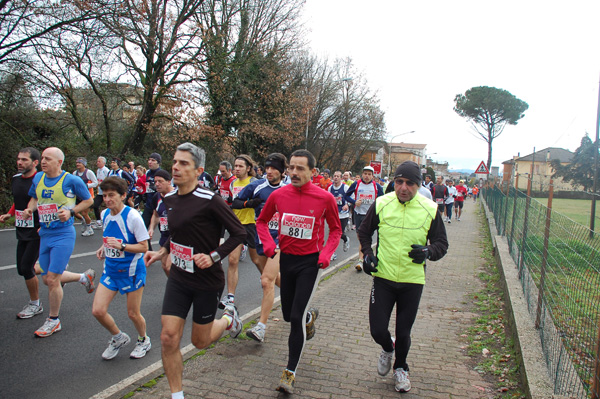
{"x":297,"y":226}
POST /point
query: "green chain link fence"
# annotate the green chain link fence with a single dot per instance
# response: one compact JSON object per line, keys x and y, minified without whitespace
{"x":558,"y":261}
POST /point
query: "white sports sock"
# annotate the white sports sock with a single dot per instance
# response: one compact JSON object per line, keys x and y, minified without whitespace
{"x":36,"y":302}
{"x":264,"y":327}
{"x":177,"y":395}
{"x":82,"y":278}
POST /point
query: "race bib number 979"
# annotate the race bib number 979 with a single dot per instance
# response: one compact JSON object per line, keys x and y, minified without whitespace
{"x":274,"y":222}
{"x":297,"y":226}
{"x":181,"y":256}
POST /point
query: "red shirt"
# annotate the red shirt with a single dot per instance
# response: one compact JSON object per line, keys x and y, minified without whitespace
{"x":303,"y":212}
{"x":316,"y":180}
{"x":462,"y":193}
{"x":140,"y":184}
{"x":224,"y":187}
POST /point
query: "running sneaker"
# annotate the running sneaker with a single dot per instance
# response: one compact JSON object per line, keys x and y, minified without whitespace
{"x":334,"y":256}
{"x":310,"y":325}
{"x":83,"y":227}
{"x":114,"y":345}
{"x":30,"y":310}
{"x":226,"y":301}
{"x":358,"y":266}
{"x":141,"y":348}
{"x":235,"y":328}
{"x":458,"y":219}
{"x":90,"y":275}
{"x":88,"y":231}
{"x":384,"y":364}
{"x":346,"y":246}
{"x":244,"y":252}
{"x":50,"y":327}
{"x":97,"y":225}
{"x":402,"y":381}
{"x":286,"y":383}
{"x":449,"y":220}
{"x":257,"y":333}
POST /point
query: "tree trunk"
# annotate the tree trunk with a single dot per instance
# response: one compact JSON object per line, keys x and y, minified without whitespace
{"x":135,"y":144}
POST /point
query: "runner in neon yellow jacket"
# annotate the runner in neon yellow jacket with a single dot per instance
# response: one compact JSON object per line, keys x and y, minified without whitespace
{"x":410,"y":230}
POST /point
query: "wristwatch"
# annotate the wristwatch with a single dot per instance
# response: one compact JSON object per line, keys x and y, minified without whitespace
{"x":72,"y":212}
{"x":214,"y":255}
{"x":123,"y":245}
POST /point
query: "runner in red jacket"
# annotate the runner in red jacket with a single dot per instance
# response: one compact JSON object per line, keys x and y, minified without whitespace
{"x":303,"y":209}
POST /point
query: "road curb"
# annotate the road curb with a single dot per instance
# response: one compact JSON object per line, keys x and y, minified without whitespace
{"x":156,"y":369}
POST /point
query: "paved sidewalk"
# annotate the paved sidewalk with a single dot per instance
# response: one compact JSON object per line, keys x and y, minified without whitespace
{"x":341,"y":360}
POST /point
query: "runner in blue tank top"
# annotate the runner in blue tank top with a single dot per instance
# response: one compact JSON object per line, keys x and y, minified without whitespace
{"x":124,"y":243}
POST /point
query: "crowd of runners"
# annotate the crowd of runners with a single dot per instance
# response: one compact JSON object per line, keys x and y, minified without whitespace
{"x":276,"y":213}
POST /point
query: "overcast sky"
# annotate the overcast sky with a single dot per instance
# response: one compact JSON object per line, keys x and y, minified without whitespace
{"x":419,"y":54}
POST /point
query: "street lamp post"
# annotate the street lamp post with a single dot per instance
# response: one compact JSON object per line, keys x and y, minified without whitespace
{"x":390,"y":148}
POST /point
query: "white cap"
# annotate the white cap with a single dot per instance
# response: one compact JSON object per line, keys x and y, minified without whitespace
{"x":369,"y":168}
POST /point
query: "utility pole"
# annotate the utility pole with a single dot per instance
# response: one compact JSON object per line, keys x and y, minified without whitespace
{"x":594,"y":186}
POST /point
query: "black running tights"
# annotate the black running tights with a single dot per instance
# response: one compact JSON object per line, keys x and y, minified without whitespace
{"x":384,"y":295}
{"x":298,"y":283}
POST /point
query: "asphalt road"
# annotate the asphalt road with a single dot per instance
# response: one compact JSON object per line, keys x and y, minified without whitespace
{"x":69,"y":364}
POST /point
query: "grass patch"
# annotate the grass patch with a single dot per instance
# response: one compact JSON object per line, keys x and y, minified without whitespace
{"x":491,"y":349}
{"x":336,"y":272}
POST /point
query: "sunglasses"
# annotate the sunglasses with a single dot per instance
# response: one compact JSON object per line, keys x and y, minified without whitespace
{"x":400,"y":182}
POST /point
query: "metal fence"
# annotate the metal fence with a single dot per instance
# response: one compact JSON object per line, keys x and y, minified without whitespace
{"x":559,"y":267}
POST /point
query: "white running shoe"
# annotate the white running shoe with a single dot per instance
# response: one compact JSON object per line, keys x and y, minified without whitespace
{"x":244,"y":252}
{"x":141,"y":348}
{"x":114,"y":345}
{"x":50,"y":327}
{"x":97,"y":225}
{"x":90,"y":275}
{"x":346,"y":246}
{"x":334,"y":256}
{"x":88,"y":231}
{"x":402,"y":381}
{"x":226,"y":301}
{"x":235,"y":328}
{"x":30,"y":310}
{"x":257,"y":333}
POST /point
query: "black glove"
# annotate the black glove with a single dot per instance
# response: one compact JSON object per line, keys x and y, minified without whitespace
{"x":370,"y":264}
{"x":253,"y":203}
{"x":419,"y":253}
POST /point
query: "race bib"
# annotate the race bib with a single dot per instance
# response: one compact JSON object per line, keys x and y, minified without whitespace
{"x":224,"y":193}
{"x":339,"y":200}
{"x":181,"y":256}
{"x":164,"y":224}
{"x":367,"y":199}
{"x":297,"y":226}
{"x":439,"y":200}
{"x":111,"y":252}
{"x":48,"y":213}
{"x":236,"y":191}
{"x":274,"y":222}
{"x":20,"y":221}
{"x":148,"y":188}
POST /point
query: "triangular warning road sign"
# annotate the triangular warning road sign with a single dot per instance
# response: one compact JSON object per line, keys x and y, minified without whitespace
{"x":482,"y":169}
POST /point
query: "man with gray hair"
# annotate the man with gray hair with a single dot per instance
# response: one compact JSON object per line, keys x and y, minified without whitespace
{"x":196,"y":216}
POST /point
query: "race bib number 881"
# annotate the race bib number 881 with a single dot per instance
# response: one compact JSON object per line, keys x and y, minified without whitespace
{"x":297,"y":226}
